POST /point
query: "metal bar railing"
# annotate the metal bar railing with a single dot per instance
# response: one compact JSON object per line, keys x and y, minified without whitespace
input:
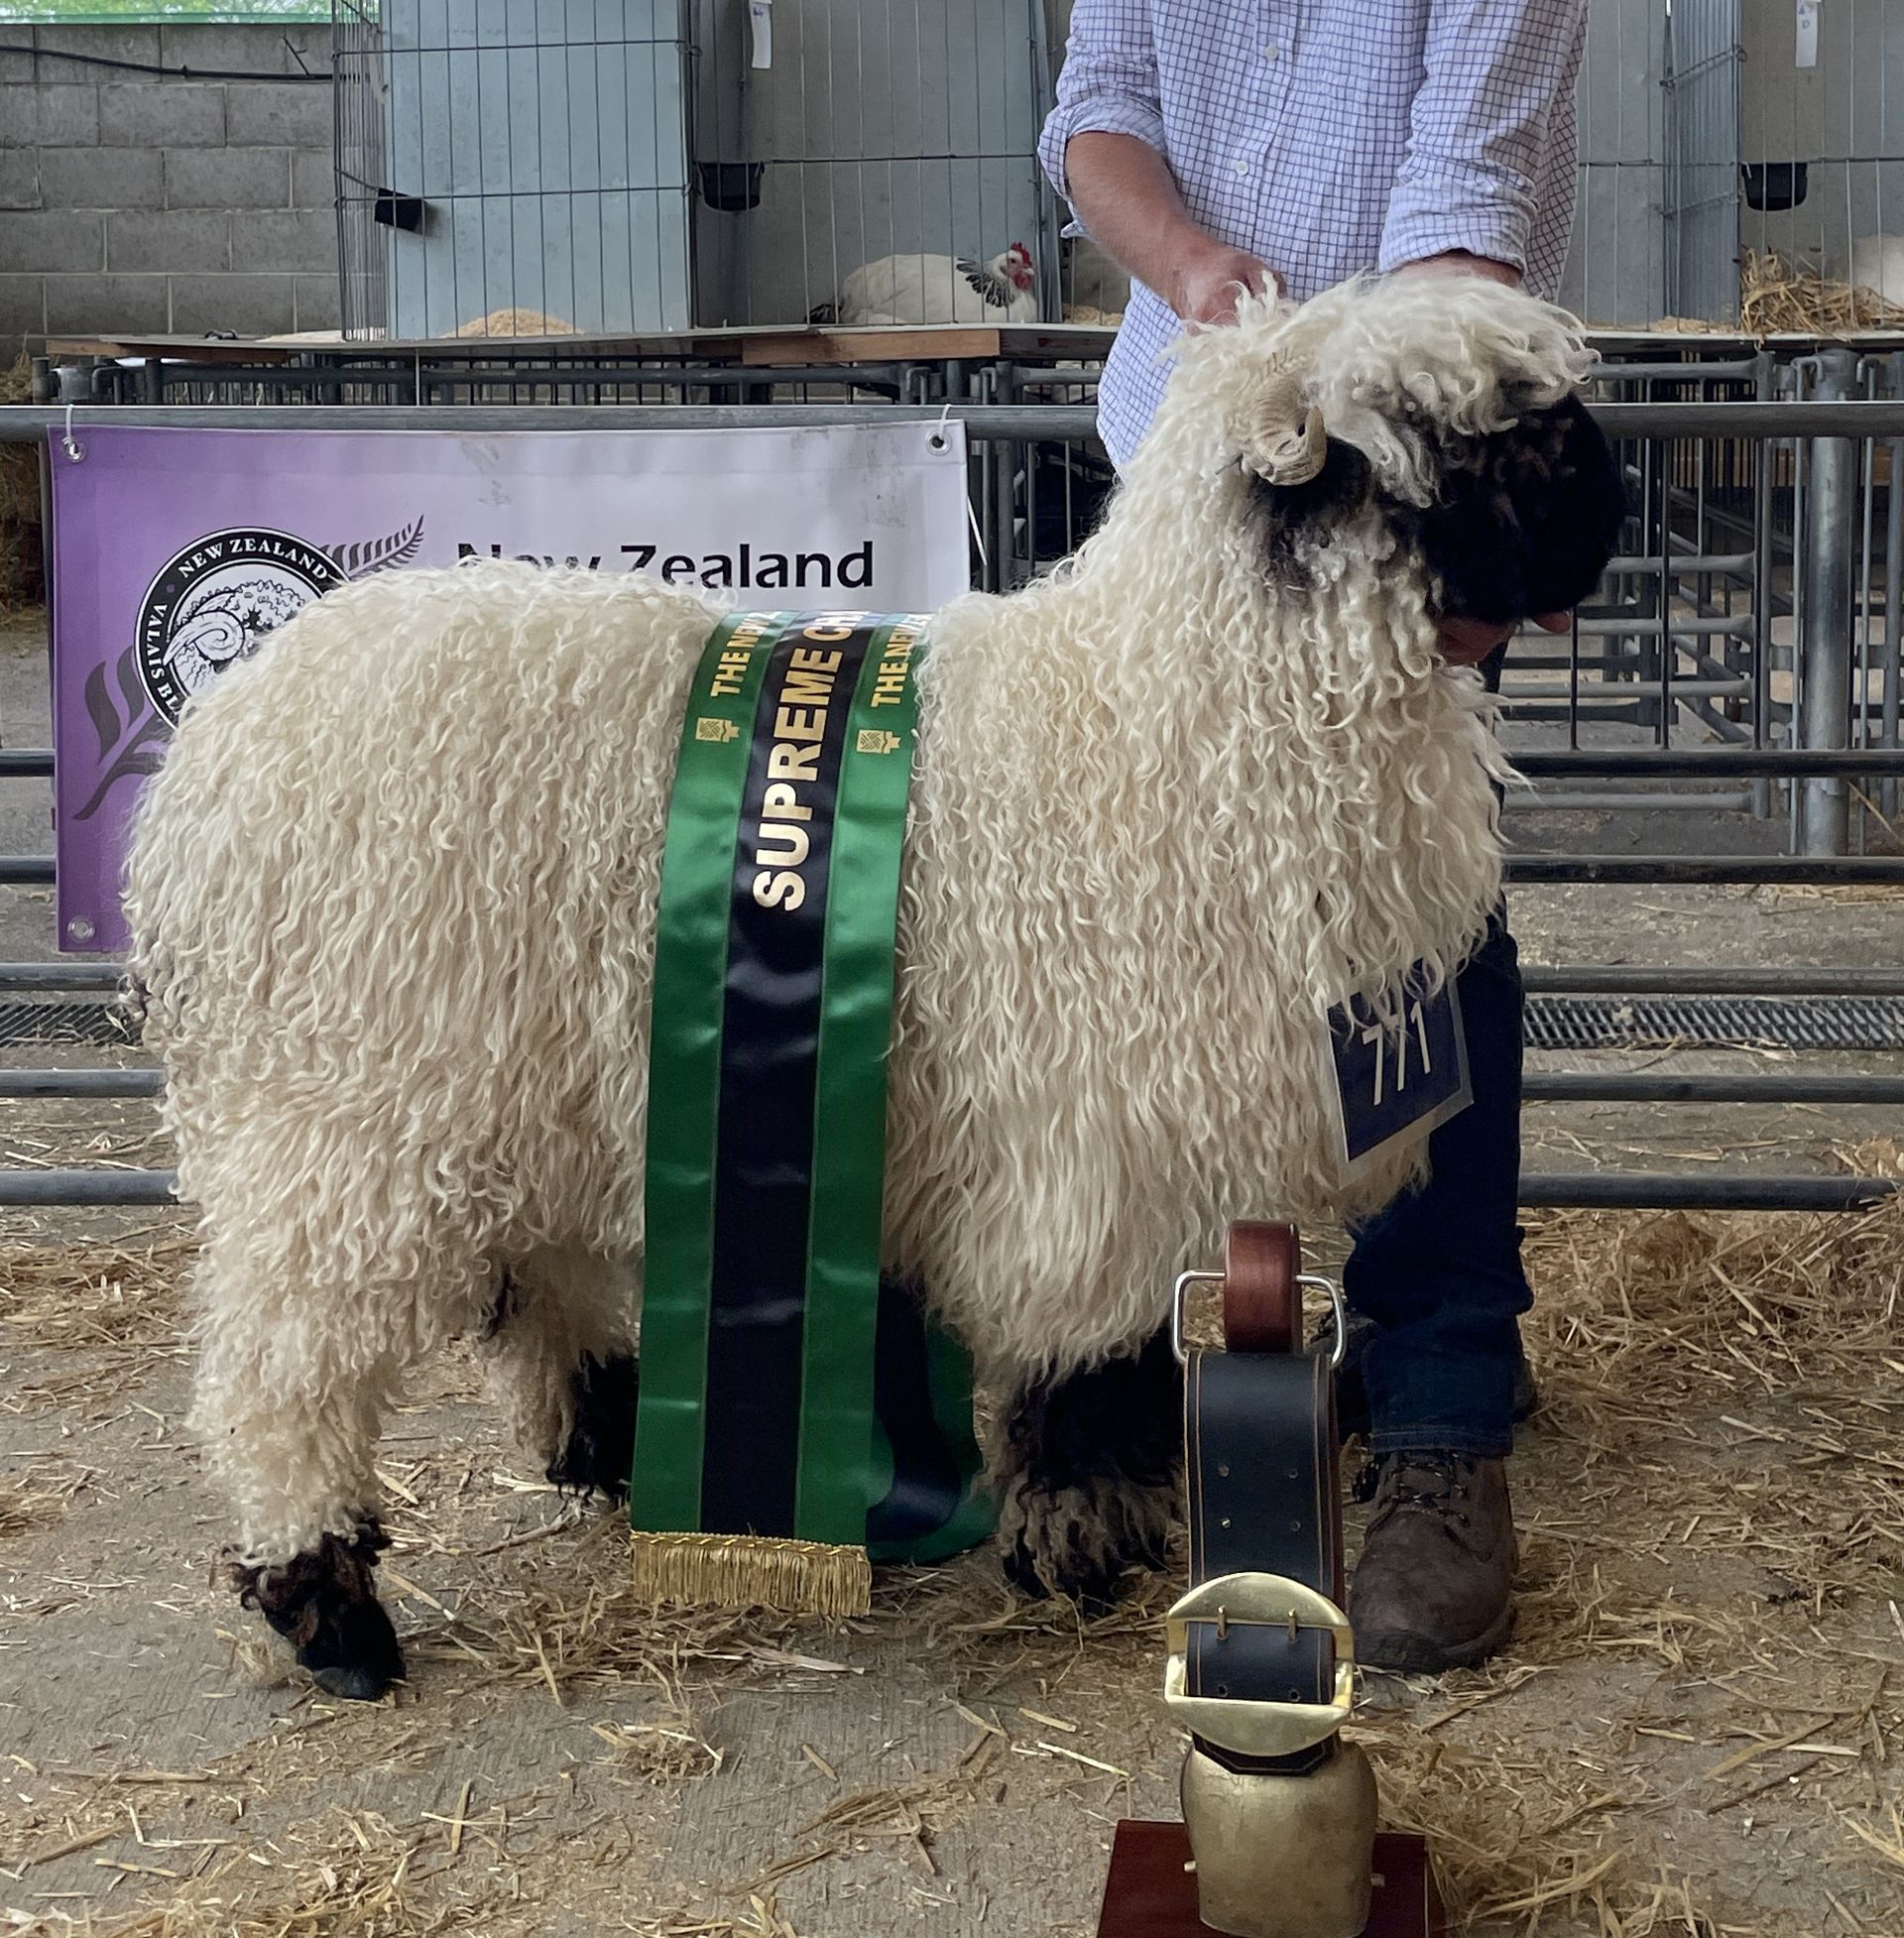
{"x":1825,"y":642}
{"x":1677,"y":543}
{"x":1659,"y":870}
{"x":104,"y":974}
{"x":1854,"y":418}
{"x":1540,"y":979}
{"x":90,"y":1186}
{"x":1533,"y":763}
{"x":1669,"y":1191}
{"x":1666,"y":871}
{"x":1626,"y":1087}
{"x":1539,"y":1087}
{"x":1620,"y":801}
{"x":1704,"y":762}
{"x":1590,"y":1190}
{"x":1702,"y":979}
{"x":81,"y":1084}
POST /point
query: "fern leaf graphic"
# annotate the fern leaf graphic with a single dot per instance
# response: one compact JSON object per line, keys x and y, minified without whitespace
{"x":140,"y":756}
{"x":369,"y":556}
{"x":101,"y":711}
{"x":131,"y":684}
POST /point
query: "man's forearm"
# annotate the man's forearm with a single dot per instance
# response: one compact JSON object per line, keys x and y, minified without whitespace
{"x":1128,"y":199}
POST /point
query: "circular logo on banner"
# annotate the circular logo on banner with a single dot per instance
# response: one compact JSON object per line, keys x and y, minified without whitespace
{"x":214,"y":603}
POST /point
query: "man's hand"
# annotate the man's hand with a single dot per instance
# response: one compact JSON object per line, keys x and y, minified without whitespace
{"x":1128,"y":198}
{"x":1468,"y":642}
{"x":1458,"y":261}
{"x":1207,"y":277}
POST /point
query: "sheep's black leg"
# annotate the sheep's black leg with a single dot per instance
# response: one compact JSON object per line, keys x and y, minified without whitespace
{"x":1092,"y":1475}
{"x":324,"y":1601}
{"x":600,"y":1449}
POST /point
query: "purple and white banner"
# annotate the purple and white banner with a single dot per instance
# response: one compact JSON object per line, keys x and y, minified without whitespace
{"x":175,"y":553}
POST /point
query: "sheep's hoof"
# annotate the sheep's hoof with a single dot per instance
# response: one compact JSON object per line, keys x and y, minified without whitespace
{"x":353,"y":1685}
{"x":1083,"y":1543}
{"x":354,"y":1651}
{"x":600,"y":1449}
{"x":1091,"y":1464}
{"x":324,"y":1602}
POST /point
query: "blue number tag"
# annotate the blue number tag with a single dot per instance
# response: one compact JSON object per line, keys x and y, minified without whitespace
{"x":1392,"y":1084}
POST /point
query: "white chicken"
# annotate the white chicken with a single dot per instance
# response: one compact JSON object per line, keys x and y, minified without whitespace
{"x":1877,"y":266}
{"x":921,"y":288}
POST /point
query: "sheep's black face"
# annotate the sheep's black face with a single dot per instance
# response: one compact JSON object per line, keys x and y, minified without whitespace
{"x":1524,"y":523}
{"x":1526,"y":520}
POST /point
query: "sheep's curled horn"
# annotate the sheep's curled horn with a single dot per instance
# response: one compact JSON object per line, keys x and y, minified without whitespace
{"x":1284,"y":439}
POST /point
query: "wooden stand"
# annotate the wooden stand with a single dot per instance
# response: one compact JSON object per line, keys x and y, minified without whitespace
{"x":1151,"y":1892}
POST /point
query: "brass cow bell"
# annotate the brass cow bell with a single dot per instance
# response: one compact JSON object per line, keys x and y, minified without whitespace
{"x":1283,"y":1856}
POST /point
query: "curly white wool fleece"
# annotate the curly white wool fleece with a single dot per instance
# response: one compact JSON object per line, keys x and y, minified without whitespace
{"x":393,"y":900}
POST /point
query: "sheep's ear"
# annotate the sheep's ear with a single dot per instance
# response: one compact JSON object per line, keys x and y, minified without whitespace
{"x":1281,"y":439}
{"x":1301,"y":517}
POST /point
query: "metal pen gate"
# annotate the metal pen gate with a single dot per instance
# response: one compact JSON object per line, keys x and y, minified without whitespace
{"x":522,"y":168}
{"x":1660,"y":727}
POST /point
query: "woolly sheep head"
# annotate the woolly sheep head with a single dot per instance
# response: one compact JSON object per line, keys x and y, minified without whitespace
{"x":1449,"y":407}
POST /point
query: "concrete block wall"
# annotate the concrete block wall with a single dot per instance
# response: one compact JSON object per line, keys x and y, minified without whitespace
{"x":134,"y":200}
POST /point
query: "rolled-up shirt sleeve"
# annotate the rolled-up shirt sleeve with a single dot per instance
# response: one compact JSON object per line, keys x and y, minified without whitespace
{"x":1481,"y":128}
{"x":1108,"y":85}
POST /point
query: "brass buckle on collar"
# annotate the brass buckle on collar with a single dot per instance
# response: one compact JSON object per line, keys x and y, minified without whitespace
{"x":1258,"y":1728}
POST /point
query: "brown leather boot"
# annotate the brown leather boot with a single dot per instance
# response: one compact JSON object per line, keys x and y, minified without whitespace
{"x":1434,"y":1588}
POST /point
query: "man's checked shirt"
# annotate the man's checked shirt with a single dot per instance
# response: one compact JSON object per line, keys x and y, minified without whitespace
{"x":1330,"y":137}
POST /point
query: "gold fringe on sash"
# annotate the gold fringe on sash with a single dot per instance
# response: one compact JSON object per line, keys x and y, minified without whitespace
{"x":734,"y":1571}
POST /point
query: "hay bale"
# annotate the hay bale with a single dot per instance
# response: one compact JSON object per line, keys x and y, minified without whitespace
{"x":1778,"y":295}
{"x":516,"y":322}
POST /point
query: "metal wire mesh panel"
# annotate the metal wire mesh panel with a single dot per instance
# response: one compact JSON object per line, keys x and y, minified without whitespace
{"x":1822,"y":138}
{"x":360,"y":99}
{"x":542,"y":167}
{"x":1702,"y":116}
{"x":1616,"y":270}
{"x":1669,"y":1021}
{"x":1712,"y":132}
{"x":514,"y":167}
{"x":841,"y":134}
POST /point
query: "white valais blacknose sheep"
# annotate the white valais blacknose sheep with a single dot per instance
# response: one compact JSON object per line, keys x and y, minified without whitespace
{"x":394,"y":897}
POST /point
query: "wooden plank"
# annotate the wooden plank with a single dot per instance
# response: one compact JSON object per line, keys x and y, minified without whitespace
{"x":202,"y":349}
{"x":183,"y":349}
{"x":1066,"y":339}
{"x":751,"y":345}
{"x":903,"y":345}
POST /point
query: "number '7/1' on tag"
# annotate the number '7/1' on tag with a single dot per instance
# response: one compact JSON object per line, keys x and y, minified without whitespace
{"x":1396,"y":1083}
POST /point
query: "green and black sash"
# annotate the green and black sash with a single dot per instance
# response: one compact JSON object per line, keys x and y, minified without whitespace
{"x":797,"y":1415}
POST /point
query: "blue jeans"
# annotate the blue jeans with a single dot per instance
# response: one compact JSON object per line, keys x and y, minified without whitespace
{"x":1439,"y":1270}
